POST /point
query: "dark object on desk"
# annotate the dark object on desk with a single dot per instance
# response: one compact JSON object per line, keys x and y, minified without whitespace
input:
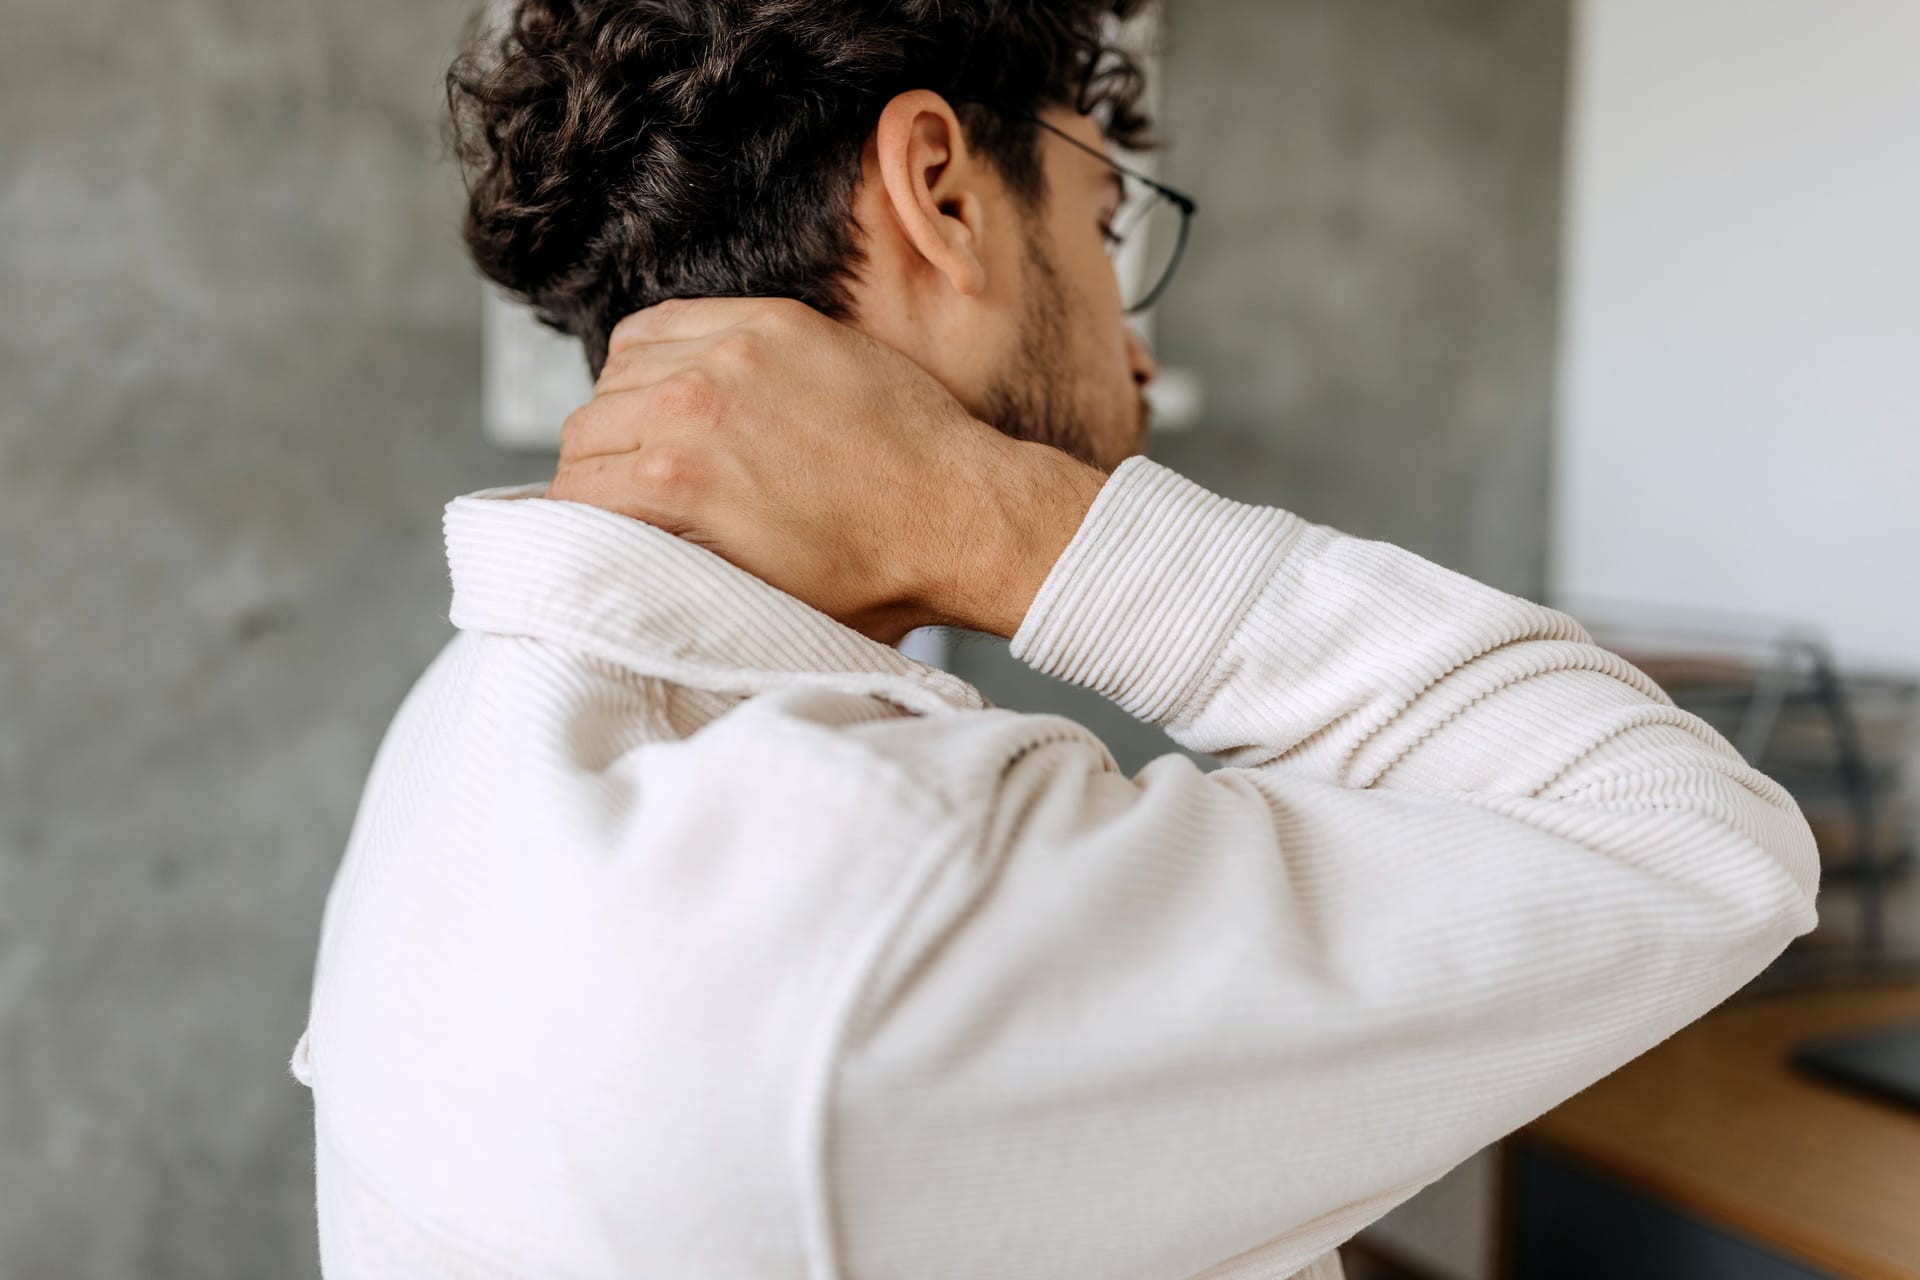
{"x":1730,"y":1150}
{"x":1885,"y":1063}
{"x":1572,"y":1222}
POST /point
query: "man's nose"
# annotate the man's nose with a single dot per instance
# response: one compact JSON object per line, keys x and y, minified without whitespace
{"x":1140,"y":360}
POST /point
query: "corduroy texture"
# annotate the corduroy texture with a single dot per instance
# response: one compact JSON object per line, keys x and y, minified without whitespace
{"x":683,"y":931}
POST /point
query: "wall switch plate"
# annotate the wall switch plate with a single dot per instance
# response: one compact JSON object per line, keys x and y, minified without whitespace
{"x":531,"y":377}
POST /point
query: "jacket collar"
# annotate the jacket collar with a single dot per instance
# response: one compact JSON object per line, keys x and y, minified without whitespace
{"x":524,"y":564}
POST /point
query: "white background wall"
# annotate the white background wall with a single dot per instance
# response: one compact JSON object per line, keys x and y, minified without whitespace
{"x":1740,"y":423}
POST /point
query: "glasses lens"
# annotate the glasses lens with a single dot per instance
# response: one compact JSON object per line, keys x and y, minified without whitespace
{"x":1148,"y":227}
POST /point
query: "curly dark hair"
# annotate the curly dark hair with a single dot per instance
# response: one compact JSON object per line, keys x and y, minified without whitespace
{"x":617,"y":153}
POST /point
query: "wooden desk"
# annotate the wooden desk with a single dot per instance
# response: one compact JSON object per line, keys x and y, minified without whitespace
{"x":1715,"y":1125}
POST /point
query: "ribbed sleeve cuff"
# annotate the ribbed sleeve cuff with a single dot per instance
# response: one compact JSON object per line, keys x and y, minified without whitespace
{"x":1150,"y":588}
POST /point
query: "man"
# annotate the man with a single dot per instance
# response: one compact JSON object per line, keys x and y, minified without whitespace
{"x":689,"y":929}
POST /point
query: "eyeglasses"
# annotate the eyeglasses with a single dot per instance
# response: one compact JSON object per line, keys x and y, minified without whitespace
{"x":1148,"y":233}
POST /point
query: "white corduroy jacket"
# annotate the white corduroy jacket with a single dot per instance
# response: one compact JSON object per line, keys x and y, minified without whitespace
{"x":685,"y":933}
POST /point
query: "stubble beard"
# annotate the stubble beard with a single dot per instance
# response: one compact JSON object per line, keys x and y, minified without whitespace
{"x":1031,"y":399}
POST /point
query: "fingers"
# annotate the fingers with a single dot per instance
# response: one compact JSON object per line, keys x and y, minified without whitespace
{"x":679,"y":319}
{"x":618,"y":483}
{"x":646,"y":415}
{"x":643,"y":363}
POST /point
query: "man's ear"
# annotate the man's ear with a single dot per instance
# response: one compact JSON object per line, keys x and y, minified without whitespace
{"x":932,"y":182}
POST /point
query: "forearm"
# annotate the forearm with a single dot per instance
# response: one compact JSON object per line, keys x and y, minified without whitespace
{"x":1267,"y":641}
{"x":1028,"y":501}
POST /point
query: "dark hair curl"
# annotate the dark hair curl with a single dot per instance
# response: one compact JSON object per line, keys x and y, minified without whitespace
{"x":620,"y":152}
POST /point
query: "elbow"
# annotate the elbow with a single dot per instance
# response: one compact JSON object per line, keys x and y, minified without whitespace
{"x":1773,"y":823}
{"x":1738,"y":838}
{"x":1799,"y":856}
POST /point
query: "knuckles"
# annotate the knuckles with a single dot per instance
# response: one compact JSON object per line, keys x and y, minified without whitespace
{"x":737,"y":325}
{"x":737,"y":353}
{"x":782,"y":314}
{"x":663,"y":469}
{"x":689,"y":394}
{"x":635,"y":326}
{"x":576,"y":428}
{"x":565,"y":485}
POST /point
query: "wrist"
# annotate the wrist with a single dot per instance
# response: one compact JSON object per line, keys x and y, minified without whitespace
{"x":1031,"y":500}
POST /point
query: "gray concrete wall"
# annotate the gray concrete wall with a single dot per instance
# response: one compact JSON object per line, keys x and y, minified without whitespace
{"x":1372,"y":290}
{"x":238,"y":377}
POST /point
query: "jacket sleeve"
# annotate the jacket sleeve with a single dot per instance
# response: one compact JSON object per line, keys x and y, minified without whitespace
{"x":1461,"y":862}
